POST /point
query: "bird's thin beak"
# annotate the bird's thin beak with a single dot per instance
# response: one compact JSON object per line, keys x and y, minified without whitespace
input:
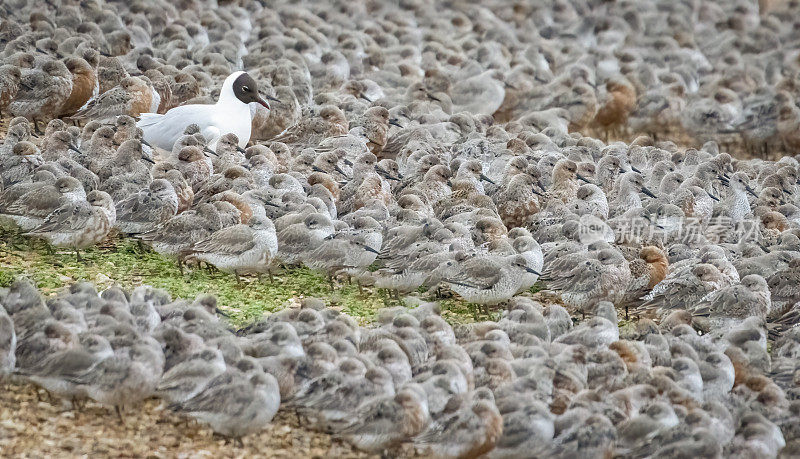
{"x":635,"y":169}
{"x":370,"y":249}
{"x":316,"y":169}
{"x":347,"y":161}
{"x":208,"y":150}
{"x":274,"y":99}
{"x":385,"y":173}
{"x":394,"y":122}
{"x":362,"y":96}
{"x":240,"y":149}
{"x":648,"y":192}
{"x":713,"y":197}
{"x":147,"y":144}
{"x":263,"y":102}
{"x":74,"y":148}
{"x":532,"y":271}
{"x":580,"y":177}
{"x":537,"y":193}
{"x":750,"y":190}
{"x":487,"y":179}
{"x":147,"y":158}
{"x":339,"y":169}
{"x":431,"y":97}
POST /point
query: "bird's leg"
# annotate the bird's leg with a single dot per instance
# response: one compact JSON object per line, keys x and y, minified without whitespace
{"x":360,"y":287}
{"x":180,"y":266}
{"x":626,"y":312}
{"x":36,"y":126}
{"x":330,"y":281}
{"x":238,"y":279}
{"x":119,"y":413}
{"x":78,"y":255}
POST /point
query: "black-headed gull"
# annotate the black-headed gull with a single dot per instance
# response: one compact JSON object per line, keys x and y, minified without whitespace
{"x":231,"y":113}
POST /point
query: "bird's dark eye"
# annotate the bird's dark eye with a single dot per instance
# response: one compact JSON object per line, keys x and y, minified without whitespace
{"x":245,"y":88}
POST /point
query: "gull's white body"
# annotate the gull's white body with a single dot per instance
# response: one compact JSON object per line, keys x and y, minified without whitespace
{"x":228,"y":115}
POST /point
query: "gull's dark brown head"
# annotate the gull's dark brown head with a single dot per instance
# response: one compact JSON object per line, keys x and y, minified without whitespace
{"x":245,"y":89}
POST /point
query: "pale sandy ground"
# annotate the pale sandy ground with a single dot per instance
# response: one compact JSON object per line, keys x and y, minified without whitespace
{"x":33,"y":428}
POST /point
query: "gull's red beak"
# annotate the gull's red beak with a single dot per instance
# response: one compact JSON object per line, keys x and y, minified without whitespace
{"x":263,"y":102}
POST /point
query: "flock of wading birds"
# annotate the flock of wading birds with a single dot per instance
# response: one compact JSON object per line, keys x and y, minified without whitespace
{"x":439,"y":143}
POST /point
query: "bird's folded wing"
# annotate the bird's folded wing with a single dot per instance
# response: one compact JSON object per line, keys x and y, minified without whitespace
{"x":480,"y":273}
{"x":70,"y":217}
{"x":291,"y":238}
{"x":232,"y":240}
{"x":379,"y":418}
{"x":37,"y":204}
{"x":133,"y":205}
{"x":229,"y":399}
{"x":785,"y":285}
{"x":37,"y":81}
{"x":111,"y":103}
{"x":726,"y":303}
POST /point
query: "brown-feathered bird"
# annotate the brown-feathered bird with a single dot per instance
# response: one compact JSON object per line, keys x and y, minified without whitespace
{"x":311,"y":130}
{"x":84,"y":85}
{"x":42,"y":92}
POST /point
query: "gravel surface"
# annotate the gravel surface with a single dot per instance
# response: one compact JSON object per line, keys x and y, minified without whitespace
{"x":33,"y":428}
